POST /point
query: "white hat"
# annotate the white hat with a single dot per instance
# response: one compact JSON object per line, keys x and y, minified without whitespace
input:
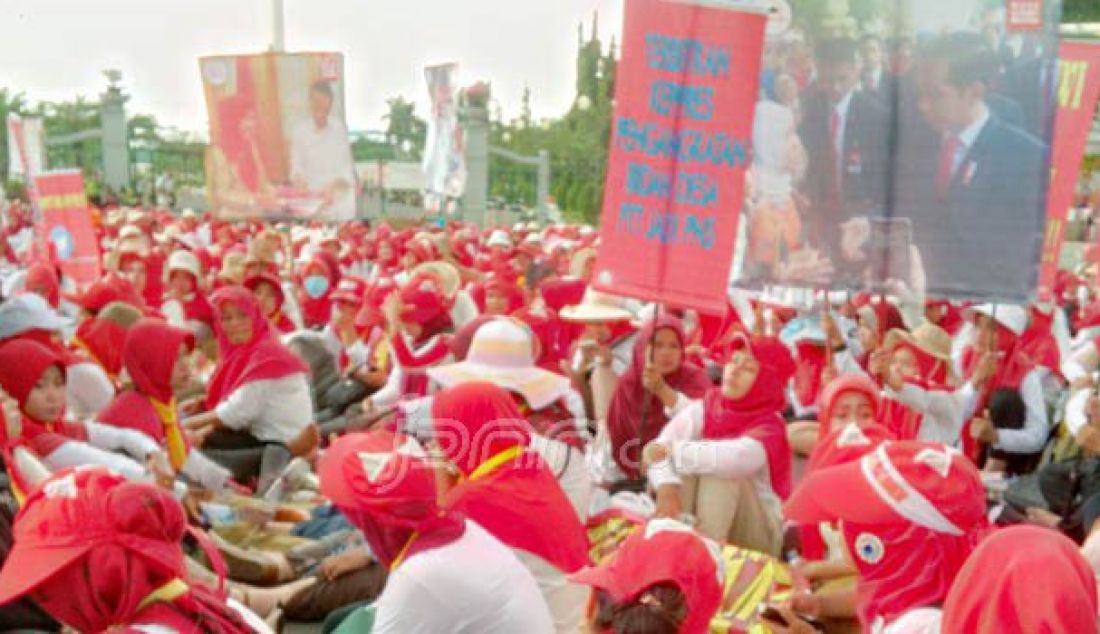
{"x":498,"y":238}
{"x":503,"y":352}
{"x":134,"y":215}
{"x":181,"y":260}
{"x":129,"y":231}
{"x":28,"y":311}
{"x":597,"y":306}
{"x":188,"y":213}
{"x":1010,"y":316}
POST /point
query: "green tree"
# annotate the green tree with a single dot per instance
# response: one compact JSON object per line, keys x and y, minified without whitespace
{"x":404,"y":127}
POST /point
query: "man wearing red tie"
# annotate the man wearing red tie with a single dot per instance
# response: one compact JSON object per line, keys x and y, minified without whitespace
{"x":977,"y":197}
{"x":847,"y":137}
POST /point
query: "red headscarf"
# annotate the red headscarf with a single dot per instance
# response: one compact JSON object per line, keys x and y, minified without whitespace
{"x":759,"y":413}
{"x":94,"y":556}
{"x":43,"y":279}
{"x":150,"y":354}
{"x":1021,"y":580}
{"x":846,"y":384}
{"x":102,"y":339}
{"x":262,"y":357}
{"x":811,"y":359}
{"x":316,"y":310}
{"x":507,"y":489}
{"x":22,"y":363}
{"x":1038,"y":341}
{"x":281,"y":322}
{"x":382,"y":484}
{"x":631,"y":403}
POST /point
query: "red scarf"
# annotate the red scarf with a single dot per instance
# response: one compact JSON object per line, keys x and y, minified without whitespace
{"x":631,"y":400}
{"x":263,"y":357}
{"x":1038,"y":342}
{"x":756,"y":415}
{"x":506,"y":488}
{"x":1012,"y":368}
{"x":811,"y":359}
{"x":102,"y":340}
{"x":415,"y":363}
{"x":1020,"y":580}
{"x":22,"y":363}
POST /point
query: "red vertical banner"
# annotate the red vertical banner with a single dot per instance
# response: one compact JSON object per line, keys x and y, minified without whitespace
{"x":67,"y":222}
{"x":681,"y":139}
{"x":1075,"y":96}
{"x":1023,"y":15}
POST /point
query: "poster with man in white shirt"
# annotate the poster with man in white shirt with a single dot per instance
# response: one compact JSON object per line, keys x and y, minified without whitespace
{"x":320,"y":156}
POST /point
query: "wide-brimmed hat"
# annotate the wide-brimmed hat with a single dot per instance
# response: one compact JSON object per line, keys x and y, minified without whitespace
{"x":28,"y":311}
{"x":445,"y":273}
{"x":929,"y":338}
{"x":503,"y":352}
{"x":597,"y":306}
{"x":1011,"y":316}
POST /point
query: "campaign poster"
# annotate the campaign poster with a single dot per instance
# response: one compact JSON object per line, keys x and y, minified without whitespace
{"x":444,"y":161}
{"x":1075,"y":95}
{"x":903,"y":147}
{"x":279,"y":146}
{"x":27,"y":146}
{"x":681,"y":138}
{"x":67,"y":222}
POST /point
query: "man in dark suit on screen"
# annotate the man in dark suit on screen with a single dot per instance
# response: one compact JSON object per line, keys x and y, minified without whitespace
{"x":846,"y":132}
{"x":973,"y":186}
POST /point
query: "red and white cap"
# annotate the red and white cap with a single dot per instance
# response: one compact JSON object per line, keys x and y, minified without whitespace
{"x":664,"y":551}
{"x":350,"y":290}
{"x":927,"y":484}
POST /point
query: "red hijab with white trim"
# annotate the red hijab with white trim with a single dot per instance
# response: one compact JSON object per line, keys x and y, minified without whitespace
{"x":262,"y":357}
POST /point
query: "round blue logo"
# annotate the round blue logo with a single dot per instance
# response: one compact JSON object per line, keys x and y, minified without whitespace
{"x":63,"y":240}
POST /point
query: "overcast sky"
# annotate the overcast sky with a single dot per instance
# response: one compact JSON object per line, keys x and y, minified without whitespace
{"x":56,"y":49}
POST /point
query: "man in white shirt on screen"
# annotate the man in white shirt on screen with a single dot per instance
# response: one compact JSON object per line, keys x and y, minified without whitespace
{"x":320,"y":156}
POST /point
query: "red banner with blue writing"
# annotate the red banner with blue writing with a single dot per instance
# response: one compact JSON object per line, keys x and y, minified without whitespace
{"x":681,"y":136}
{"x":1075,"y":95}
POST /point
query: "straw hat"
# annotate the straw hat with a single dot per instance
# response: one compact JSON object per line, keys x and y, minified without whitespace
{"x":930,"y":338}
{"x":444,"y":272}
{"x":503,"y":352}
{"x":597,"y":306}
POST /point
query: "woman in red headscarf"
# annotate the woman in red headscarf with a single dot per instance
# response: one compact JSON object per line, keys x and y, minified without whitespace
{"x":43,"y":280}
{"x":1020,"y":580}
{"x":155,"y":355}
{"x":447,"y":572}
{"x":1003,"y":396}
{"x":420,"y":321}
{"x":388,"y":260}
{"x":100,"y":554}
{"x":735,"y":441}
{"x":258,"y":400}
{"x":910,"y":514}
{"x":319,"y":279}
{"x":34,"y":375}
{"x":659,"y":383}
{"x":269,"y":292}
{"x":507,"y":488}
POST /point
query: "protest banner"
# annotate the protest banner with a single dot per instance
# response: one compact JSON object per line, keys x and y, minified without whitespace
{"x":67,"y":222}
{"x":1023,"y":15}
{"x":279,"y":142}
{"x":1076,"y":93}
{"x":680,"y":143}
{"x":908,"y":154}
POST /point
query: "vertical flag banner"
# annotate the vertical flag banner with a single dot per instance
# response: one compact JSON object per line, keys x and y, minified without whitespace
{"x":444,"y":160}
{"x":29,"y":147}
{"x":279,"y":146}
{"x":68,"y":224}
{"x":680,"y":144}
{"x":1076,"y":93}
{"x":903,"y":147}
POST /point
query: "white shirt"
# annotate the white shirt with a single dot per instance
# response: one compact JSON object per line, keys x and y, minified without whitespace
{"x":727,"y":458}
{"x":320,"y":156}
{"x":474,"y":585}
{"x":272,"y":410}
{"x":88,"y":390}
{"x":841,"y":108}
{"x":942,"y":420}
{"x":1033,"y":435}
